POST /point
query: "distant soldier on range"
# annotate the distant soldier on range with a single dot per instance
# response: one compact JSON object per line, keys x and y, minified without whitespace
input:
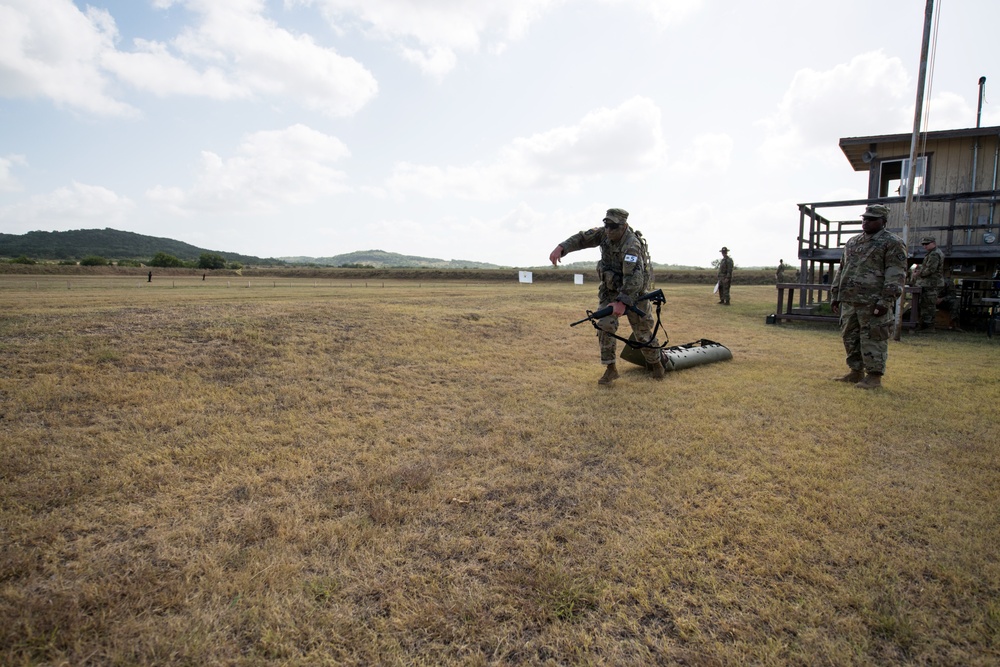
{"x":929,"y":276}
{"x":626,"y":273}
{"x":725,"y":276}
{"x":870,"y":279}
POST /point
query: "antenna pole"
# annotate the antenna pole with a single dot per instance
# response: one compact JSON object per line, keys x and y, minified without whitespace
{"x":911,"y":176}
{"x":979,"y":109}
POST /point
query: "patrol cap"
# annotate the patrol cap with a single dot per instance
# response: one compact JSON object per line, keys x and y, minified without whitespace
{"x":928,"y":239}
{"x":617,"y":216}
{"x":876,"y":211}
{"x":723,"y":249}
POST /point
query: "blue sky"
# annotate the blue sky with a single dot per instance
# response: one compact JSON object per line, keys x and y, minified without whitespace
{"x":463,"y":129}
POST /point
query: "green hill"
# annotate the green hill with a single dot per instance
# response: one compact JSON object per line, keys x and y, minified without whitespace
{"x":109,"y":244}
{"x":380,"y":259}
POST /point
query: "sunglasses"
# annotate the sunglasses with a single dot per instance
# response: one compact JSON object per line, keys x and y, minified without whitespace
{"x":611,"y":225}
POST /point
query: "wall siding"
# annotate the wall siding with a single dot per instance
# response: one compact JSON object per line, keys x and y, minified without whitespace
{"x":950,"y":170}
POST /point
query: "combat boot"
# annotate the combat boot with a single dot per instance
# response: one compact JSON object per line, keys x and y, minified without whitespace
{"x":853,"y":377}
{"x":871,"y":381}
{"x":657,"y":371}
{"x":610,"y":374}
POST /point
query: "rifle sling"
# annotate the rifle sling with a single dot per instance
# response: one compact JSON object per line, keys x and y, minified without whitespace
{"x":636,"y":343}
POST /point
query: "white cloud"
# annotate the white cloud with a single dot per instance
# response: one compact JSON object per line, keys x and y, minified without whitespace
{"x":8,"y":183}
{"x":429,"y":33}
{"x":49,"y":48}
{"x":864,"y":96}
{"x":271,"y":168}
{"x":665,"y":12}
{"x":708,"y":153}
{"x":625,"y":140}
{"x":521,"y":219}
{"x":68,"y":208}
{"x":949,"y":111}
{"x":153,"y":68}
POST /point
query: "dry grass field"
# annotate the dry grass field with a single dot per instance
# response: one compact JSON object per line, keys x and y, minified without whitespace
{"x":282,"y":472}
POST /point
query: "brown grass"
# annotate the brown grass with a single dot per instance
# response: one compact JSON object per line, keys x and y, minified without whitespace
{"x":285,"y":472}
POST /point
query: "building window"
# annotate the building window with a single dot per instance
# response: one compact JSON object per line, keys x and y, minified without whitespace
{"x":893,"y":175}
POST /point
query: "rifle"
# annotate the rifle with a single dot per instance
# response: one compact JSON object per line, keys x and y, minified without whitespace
{"x":604,"y":312}
{"x":656,"y":296}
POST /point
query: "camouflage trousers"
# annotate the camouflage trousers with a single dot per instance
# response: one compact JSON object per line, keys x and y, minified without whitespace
{"x":927,"y":307}
{"x":641,"y":326}
{"x":866,"y":337}
{"x":724,"y":284}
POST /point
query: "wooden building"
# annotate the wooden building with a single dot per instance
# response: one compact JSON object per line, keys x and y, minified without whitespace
{"x":955,"y":200}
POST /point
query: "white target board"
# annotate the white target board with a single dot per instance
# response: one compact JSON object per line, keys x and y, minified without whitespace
{"x":577,"y":278}
{"x":524,"y":276}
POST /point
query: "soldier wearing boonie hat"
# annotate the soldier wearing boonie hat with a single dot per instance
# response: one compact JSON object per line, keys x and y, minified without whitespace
{"x":871,"y":277}
{"x":625,"y":272}
{"x":725,"y":276}
{"x":929,"y":277}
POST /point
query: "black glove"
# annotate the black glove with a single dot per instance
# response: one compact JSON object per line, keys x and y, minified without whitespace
{"x":879,"y":311}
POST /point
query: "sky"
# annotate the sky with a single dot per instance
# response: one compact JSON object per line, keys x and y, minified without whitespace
{"x":465,"y":129}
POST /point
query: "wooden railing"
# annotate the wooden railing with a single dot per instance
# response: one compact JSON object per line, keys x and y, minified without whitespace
{"x":786,"y":310}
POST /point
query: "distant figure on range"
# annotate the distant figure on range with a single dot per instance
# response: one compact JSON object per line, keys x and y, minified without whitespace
{"x":779,"y":274}
{"x":625,"y":273}
{"x":929,"y":277}
{"x":149,"y":278}
{"x":725,"y":276}
{"x":871,"y":277}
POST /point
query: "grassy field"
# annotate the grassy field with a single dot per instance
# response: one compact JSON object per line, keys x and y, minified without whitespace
{"x":331,"y":473}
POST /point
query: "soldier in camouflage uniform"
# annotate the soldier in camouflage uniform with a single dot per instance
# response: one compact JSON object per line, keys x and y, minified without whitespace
{"x":779,"y":273}
{"x":625,"y":272}
{"x":725,"y":276}
{"x":929,"y":277}
{"x":870,"y":279}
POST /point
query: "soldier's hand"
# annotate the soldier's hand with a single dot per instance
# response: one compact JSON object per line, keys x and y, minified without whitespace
{"x":617,"y":308}
{"x":556,"y":255}
{"x":879,"y":311}
{"x":835,"y":307}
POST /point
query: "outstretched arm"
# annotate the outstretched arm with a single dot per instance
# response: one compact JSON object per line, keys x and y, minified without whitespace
{"x":556,"y":255}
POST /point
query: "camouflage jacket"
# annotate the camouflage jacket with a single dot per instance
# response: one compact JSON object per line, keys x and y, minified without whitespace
{"x":930,"y":273}
{"x":624,"y":269}
{"x":872,"y":271}
{"x":726,"y":268}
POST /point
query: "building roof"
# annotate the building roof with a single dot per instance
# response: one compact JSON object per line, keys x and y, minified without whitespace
{"x":855,"y":147}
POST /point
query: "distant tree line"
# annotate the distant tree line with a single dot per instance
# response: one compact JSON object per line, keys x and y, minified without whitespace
{"x":207,"y":260}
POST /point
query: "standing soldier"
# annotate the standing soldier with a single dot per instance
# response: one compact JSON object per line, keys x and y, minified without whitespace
{"x":725,"y":276}
{"x":929,"y":277}
{"x":626,"y":273}
{"x":872,"y":272}
{"x":779,"y":275}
